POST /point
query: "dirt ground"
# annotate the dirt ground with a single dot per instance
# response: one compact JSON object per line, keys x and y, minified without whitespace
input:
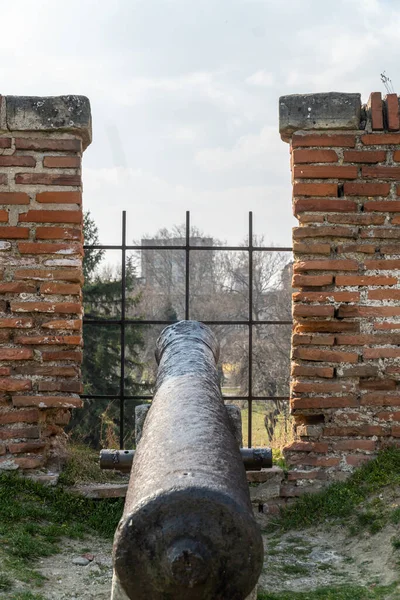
{"x":293,"y":561}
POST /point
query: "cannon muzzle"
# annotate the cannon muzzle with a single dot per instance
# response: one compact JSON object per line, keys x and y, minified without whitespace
{"x":188,"y":530}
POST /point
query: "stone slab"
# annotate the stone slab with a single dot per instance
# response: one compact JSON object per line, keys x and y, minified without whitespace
{"x":52,"y":113}
{"x":332,"y":110}
{"x":99,"y":491}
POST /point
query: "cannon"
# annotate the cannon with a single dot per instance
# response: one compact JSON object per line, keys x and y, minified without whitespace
{"x":187,"y":530}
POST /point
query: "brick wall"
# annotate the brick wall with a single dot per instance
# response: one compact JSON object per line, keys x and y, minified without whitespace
{"x":41,"y":144}
{"x":345,"y":161}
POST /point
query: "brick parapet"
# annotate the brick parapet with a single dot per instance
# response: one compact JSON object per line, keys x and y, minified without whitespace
{"x":41,"y":249}
{"x":345,"y":396}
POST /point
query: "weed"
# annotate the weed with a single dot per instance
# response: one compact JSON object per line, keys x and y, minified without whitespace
{"x":332,"y":593}
{"x":5,"y":582}
{"x":295,"y":570}
{"x":395,"y":542}
{"x":83,"y":467}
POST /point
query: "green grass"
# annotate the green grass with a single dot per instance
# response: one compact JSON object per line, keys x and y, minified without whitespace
{"x":34,"y":519}
{"x":83,"y":467}
{"x":340,"y":500}
{"x":332,"y":593}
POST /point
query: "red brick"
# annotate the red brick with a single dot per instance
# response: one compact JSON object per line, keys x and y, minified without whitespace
{"x":314,"y":156}
{"x":395,"y":431}
{"x":17,"y":161}
{"x":358,"y":459}
{"x":329,"y":402}
{"x":60,"y":288}
{"x":368,"y":338}
{"x":323,"y":140}
{"x":14,"y":233}
{"x":366,"y":189}
{"x":315,"y":189}
{"x":313,"y":232}
{"x":74,"y":275}
{"x":325,"y":172}
{"x":392,"y":112}
{"x":384,"y":294}
{"x":318,"y":447}
{"x":356,"y":248}
{"x":47,"y":179}
{"x":364,"y":280}
{"x":326,"y":296}
{"x":14,"y":198}
{"x":74,"y":387}
{"x":325,"y":355}
{"x":19,"y":323}
{"x":313,"y":218}
{"x":301,"y":248}
{"x":386,"y":415}
{"x":5,"y":142}
{"x":58,"y":233}
{"x":381,"y":206}
{"x":386,"y":325}
{"x":375,"y":107}
{"x":380,"y":399}
{"x":61,"y":145}
{"x":379,"y":139}
{"x":396,"y":220}
{"x":313,"y":371}
{"x":381,"y":172}
{"x":362,"y":445}
{"x":50,"y":248}
{"x":359,"y":156}
{"x":3,"y":216}
{"x":3,"y":179}
{"x":20,"y":432}
{"x":384,"y":265}
{"x":326,"y":326}
{"x":299,"y":475}
{"x":70,"y":340}
{"x":381,"y":352}
{"x":19,"y":416}
{"x":59,"y":197}
{"x":26,"y":447}
{"x":312,"y":340}
{"x":17,"y":288}
{"x":313,"y":461}
{"x":355,"y":430}
{"x":357,"y":219}
{"x":396,"y":155}
{"x":62,"y":162}
{"x":63,"y":355}
{"x":47,"y":401}
{"x":47,"y":371}
{"x":16,"y":353}
{"x":323,"y":205}
{"x":5,"y":371}
{"x":368,"y":311}
{"x":29,"y":462}
{"x":312,"y":280}
{"x":47,"y":307}
{"x":51,"y":216}
{"x":14,"y":385}
{"x":389,"y":248}
{"x":378,"y":385}
{"x":314,"y":387}
{"x":301,"y":310}
{"x":75,"y":324}
{"x":326,"y":265}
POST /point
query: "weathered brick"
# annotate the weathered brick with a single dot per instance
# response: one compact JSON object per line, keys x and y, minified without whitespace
{"x":14,"y":233}
{"x":361,"y":445}
{"x":325,"y":387}
{"x":324,"y":140}
{"x":3,"y":216}
{"x":325,"y":172}
{"x":62,"y":355}
{"x":74,"y":387}
{"x":356,"y":219}
{"x":392,"y":112}
{"x":310,"y":218}
{"x":19,"y":323}
{"x":324,"y":402}
{"x":70,"y":248}
{"x":382,"y":265}
{"x":74,"y":275}
{"x":51,"y":216}
{"x":47,"y":179}
{"x":366,"y":189}
{"x":315,"y":189}
{"x":312,"y":280}
{"x":375,"y":108}
{"x":368,"y":156}
{"x":58,"y":233}
{"x":356,"y":460}
{"x":380,"y":399}
{"x":396,"y":220}
{"x":300,"y":475}
{"x":356,"y":430}
{"x":35,"y":340}
{"x":356,"y":248}
{"x":380,"y":139}
{"x":312,"y":340}
{"x":14,"y":198}
{"x":326,"y":265}
{"x":323,"y":205}
{"x":314,"y":461}
{"x":5,"y":142}
{"x":386,"y":325}
{"x":59,"y":197}
{"x":377,"y":384}
{"x":47,"y":371}
{"x":301,"y":248}
{"x":312,"y":371}
{"x":367,"y":311}
{"x":324,"y":231}
{"x":314,"y":156}
{"x":306,"y":310}
{"x":19,"y":448}
{"x":382,"y":206}
{"x":384,"y":294}
{"x":47,"y":401}
{"x":29,"y":462}
{"x":17,"y":433}
{"x":14,"y":385}
{"x":364,"y":280}
{"x":381,"y":352}
{"x":3,"y":179}
{"x":17,"y":161}
{"x":19,"y":416}
{"x":381,"y":172}
{"x":16,"y":353}
{"x":388,"y":415}
{"x":368,"y":338}
{"x":62,"y":162}
{"x":326,"y":326}
{"x":60,"y":288}
{"x":325,"y":355}
{"x":318,"y":447}
{"x":46,"y":307}
{"x":326,"y":297}
{"x":42,"y":144}
{"x":75,"y":324}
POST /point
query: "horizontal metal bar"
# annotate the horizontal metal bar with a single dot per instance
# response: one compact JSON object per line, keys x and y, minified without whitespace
{"x":184,"y":248}
{"x":156,"y":322}
{"x":116,"y":397}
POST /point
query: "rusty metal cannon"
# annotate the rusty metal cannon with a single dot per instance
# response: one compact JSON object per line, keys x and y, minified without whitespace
{"x":187,"y":531}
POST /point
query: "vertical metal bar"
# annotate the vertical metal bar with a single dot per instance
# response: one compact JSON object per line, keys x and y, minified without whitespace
{"x":122,"y":333}
{"x":250,"y":366}
{"x":187,"y":266}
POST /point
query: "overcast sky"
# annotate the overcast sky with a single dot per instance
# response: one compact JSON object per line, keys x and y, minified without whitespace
{"x":184,"y":96}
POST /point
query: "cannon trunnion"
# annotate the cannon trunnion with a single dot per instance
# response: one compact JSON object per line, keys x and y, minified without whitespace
{"x":187,"y":531}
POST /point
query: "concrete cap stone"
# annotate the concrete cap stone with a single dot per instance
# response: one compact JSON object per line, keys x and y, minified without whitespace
{"x":69,"y":114}
{"x":333,"y":110}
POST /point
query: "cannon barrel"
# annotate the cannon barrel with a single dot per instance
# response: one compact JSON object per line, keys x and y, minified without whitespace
{"x":187,"y":531}
{"x":254,"y":459}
